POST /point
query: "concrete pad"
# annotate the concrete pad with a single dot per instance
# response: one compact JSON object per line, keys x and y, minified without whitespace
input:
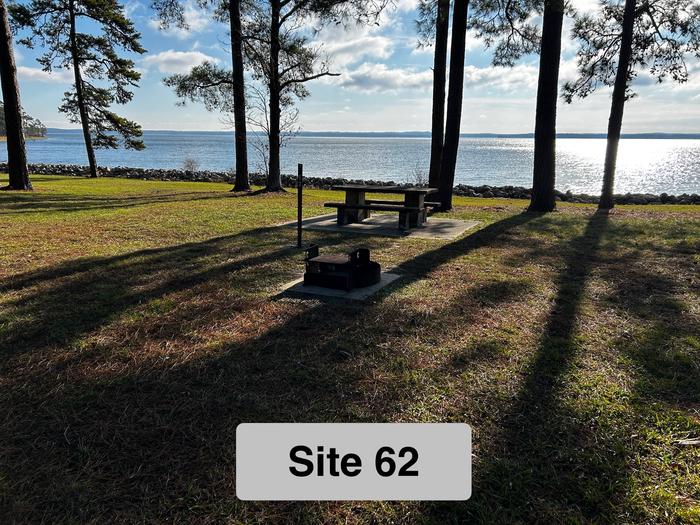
{"x":297,"y":288}
{"x":387,"y":225}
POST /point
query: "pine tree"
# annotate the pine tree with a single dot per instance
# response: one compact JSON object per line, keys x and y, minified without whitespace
{"x":282,"y":56}
{"x":544,"y":169}
{"x":623,"y":39}
{"x":222,"y":83}
{"x":12,"y":109}
{"x":454,"y":103}
{"x":101,"y":77}
{"x":509,"y":28}
{"x":433,"y":28}
{"x":239,"y":105}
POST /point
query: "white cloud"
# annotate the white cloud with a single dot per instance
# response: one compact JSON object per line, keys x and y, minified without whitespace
{"x":131,"y":7}
{"x":372,"y":115}
{"x":568,"y":70}
{"x":586,"y":6}
{"x":354,"y":43}
{"x":374,"y":78}
{"x":351,"y":45}
{"x":35,"y":74}
{"x":669,"y":90}
{"x":353,"y":50}
{"x":472,"y":44}
{"x":406,"y":5}
{"x":172,"y":61}
{"x":380,"y":78}
{"x":501,"y":78}
{"x":196,"y":19}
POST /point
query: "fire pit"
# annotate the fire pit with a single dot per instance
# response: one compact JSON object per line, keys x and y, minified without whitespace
{"x":341,"y":271}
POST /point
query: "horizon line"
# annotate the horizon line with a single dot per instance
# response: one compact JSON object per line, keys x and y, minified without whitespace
{"x":426,"y":132}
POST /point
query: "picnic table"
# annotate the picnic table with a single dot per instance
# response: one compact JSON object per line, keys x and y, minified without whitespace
{"x":356,"y":208}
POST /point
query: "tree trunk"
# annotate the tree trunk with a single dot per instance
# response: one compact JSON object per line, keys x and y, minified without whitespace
{"x":241,"y":183}
{"x":79,"y":92}
{"x":544,"y":172}
{"x":454,"y":103}
{"x":16,"y":150}
{"x":274,"y":179}
{"x":617,"y":109}
{"x":439,"y":76}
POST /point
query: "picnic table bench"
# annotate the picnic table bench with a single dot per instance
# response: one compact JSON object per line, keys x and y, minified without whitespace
{"x":356,"y":208}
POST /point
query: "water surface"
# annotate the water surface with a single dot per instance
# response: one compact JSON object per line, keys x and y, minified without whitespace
{"x":644,"y":166}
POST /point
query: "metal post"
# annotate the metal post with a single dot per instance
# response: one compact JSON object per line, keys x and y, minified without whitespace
{"x":300,"y":186}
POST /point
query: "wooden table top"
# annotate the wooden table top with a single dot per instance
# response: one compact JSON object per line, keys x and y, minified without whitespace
{"x":368,"y":188}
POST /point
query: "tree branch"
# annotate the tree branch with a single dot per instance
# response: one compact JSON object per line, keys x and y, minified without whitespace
{"x":291,"y":81}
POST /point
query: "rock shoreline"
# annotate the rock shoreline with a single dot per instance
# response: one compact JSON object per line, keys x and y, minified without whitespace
{"x":485,"y":191}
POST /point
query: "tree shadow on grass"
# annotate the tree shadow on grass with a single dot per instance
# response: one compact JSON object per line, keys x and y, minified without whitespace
{"x":569,"y":448}
{"x":543,"y":465}
{"x":500,"y":231}
{"x":663,"y":341}
{"x":55,"y":307}
{"x":77,"y":297}
{"x":126,"y":434}
{"x":22,"y":203}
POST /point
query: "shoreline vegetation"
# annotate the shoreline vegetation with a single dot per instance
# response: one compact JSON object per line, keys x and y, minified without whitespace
{"x":3,"y":138}
{"x":33,"y":127}
{"x":325,"y":183}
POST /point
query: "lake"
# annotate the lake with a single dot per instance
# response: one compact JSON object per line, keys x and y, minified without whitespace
{"x":644,"y":166}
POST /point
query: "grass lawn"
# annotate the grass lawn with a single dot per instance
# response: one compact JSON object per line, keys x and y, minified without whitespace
{"x":139,"y":324}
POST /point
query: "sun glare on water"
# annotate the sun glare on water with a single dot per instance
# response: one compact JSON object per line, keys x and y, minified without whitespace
{"x":643,"y":166}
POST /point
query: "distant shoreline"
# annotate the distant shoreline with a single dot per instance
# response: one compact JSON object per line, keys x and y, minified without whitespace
{"x":426,"y":134}
{"x":3,"y":138}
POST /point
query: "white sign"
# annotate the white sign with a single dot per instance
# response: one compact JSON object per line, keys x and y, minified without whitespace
{"x":353,"y":461}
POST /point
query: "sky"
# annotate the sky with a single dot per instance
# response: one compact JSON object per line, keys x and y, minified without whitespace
{"x":384,"y":83}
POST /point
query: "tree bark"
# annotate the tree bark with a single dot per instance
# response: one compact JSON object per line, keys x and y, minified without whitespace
{"x":544,"y":171}
{"x":85,"y":123}
{"x":454,"y":103}
{"x":16,"y":149}
{"x":439,"y":78}
{"x":239,"y":110}
{"x":617,"y":108}
{"x":274,"y":179}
